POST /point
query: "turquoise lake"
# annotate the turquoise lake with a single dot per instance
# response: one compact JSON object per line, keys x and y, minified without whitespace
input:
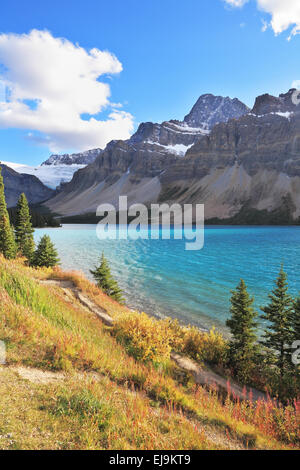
{"x":161,"y":277}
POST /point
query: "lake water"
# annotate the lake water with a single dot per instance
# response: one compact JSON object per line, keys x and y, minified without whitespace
{"x":161,"y":277}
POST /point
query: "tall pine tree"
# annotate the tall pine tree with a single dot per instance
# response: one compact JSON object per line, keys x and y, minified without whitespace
{"x":3,"y":207}
{"x":23,"y":229}
{"x":296,"y":338}
{"x":278,"y":335}
{"x":45,"y":254}
{"x":7,"y":240}
{"x":242,"y":324}
{"x":105,"y":281}
{"x":296,"y":320}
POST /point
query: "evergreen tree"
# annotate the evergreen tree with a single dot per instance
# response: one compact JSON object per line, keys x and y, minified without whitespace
{"x":3,"y":208}
{"x":278,"y":335}
{"x":296,"y":320}
{"x":7,"y":240}
{"x":45,"y":254}
{"x":242,"y":324}
{"x":296,"y":339}
{"x":23,"y":229}
{"x":105,"y":280}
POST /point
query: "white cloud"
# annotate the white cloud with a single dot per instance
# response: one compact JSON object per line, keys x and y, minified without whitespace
{"x":296,"y":84}
{"x":2,"y":92}
{"x":51,"y":83}
{"x":236,"y":3}
{"x":265,"y":25}
{"x":284,"y":14}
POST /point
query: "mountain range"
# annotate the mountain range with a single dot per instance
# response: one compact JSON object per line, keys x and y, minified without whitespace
{"x":136,"y":167}
{"x":222,"y":154}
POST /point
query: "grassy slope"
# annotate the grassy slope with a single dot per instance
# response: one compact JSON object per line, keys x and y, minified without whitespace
{"x":107,"y":400}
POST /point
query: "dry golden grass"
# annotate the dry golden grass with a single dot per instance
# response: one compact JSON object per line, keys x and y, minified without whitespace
{"x":84,"y":413}
{"x":145,"y":406}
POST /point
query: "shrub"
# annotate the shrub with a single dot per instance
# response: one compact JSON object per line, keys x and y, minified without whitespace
{"x":202,"y":346}
{"x":144,"y":337}
{"x":148,"y":339}
{"x":177,"y":333}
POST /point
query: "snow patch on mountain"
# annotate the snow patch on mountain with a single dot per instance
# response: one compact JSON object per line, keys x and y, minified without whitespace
{"x":286,"y":115}
{"x":82,"y":158}
{"x":51,"y":176}
{"x":184,"y":128}
{"x":177,"y":149}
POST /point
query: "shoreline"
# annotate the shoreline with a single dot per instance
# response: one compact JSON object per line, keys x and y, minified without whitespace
{"x":183,"y":321}
{"x":146,"y":305}
{"x":95,"y":221}
{"x":197,"y":302}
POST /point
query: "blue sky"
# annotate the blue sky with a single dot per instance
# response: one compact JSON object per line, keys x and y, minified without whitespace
{"x":171,"y":52}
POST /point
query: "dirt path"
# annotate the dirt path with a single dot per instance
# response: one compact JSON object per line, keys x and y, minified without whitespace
{"x":71,"y":291}
{"x":206,"y":377}
{"x":38,"y":376}
{"x":203,"y":376}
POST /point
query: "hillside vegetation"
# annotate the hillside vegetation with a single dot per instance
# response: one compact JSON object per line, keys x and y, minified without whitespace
{"x":70,"y":382}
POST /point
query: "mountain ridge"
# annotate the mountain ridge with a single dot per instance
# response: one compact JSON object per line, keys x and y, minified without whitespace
{"x":136,"y":165}
{"x":253,"y":158}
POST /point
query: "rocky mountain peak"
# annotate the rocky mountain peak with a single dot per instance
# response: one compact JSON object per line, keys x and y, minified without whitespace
{"x":81,"y":158}
{"x":210,"y":110}
{"x":266,"y":104}
{"x":176,"y":136}
{"x":145,"y":131}
{"x":253,"y":159}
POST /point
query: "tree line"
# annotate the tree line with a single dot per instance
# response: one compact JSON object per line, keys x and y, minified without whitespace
{"x":273,"y":355}
{"x":38,"y":220}
{"x":17,"y":240}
